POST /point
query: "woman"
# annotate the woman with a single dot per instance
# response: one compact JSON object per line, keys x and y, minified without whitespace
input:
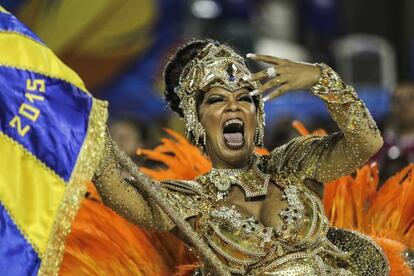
{"x":259,"y":214}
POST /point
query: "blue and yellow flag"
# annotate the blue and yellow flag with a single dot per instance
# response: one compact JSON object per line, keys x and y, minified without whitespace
{"x":51,"y":140}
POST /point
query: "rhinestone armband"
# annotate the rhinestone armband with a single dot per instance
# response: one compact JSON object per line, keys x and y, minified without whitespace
{"x":331,"y":88}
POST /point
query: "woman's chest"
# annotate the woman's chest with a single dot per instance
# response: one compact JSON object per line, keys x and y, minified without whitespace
{"x":254,"y":232}
{"x":287,"y":214}
{"x":266,"y":210}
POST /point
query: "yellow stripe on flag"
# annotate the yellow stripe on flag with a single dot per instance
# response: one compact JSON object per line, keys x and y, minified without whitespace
{"x":3,"y":10}
{"x":25,"y":53}
{"x":30,"y":191}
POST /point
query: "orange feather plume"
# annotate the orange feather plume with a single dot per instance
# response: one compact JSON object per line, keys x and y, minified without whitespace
{"x":182,"y":160}
{"x":386,"y":213}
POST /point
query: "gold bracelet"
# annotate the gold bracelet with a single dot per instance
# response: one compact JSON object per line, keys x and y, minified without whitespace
{"x":331,"y":88}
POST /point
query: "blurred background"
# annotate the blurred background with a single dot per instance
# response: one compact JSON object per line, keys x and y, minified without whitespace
{"x":119,"y":48}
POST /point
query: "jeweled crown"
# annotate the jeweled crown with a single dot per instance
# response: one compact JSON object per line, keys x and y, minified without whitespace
{"x":215,"y":65}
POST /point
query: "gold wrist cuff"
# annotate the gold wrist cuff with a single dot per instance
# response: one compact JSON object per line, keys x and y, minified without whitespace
{"x":331,"y":88}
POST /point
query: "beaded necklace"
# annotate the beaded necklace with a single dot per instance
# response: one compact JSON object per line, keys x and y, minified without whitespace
{"x":250,"y":178}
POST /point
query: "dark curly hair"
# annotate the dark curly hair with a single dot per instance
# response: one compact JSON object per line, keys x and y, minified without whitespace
{"x":175,"y":66}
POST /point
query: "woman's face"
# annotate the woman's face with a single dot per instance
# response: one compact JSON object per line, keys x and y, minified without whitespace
{"x":229,"y":119}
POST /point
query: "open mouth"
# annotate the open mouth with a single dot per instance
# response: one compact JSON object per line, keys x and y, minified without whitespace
{"x":233,"y":132}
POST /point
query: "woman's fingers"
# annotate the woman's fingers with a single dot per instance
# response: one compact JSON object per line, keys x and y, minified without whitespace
{"x":270,"y":72}
{"x":279,"y":73}
{"x":256,"y":76}
{"x":276,"y":93}
{"x":266,"y":58}
{"x":268,"y":85}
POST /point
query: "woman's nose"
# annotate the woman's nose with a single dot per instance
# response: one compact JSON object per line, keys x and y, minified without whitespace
{"x":233,"y":105}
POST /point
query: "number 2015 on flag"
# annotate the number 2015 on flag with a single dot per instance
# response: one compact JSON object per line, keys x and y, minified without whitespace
{"x":28,"y":110}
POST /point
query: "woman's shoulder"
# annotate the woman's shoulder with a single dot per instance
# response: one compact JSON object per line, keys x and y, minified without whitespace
{"x":298,"y":156}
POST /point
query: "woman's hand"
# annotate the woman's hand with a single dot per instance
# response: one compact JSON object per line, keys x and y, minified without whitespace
{"x":284,"y":75}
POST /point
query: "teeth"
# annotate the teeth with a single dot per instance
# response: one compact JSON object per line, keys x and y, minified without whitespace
{"x":235,"y":144}
{"x":233,"y":121}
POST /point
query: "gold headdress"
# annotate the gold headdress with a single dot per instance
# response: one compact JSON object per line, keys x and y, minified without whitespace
{"x":215,"y":65}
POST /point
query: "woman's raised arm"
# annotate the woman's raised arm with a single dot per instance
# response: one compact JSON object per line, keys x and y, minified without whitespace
{"x":117,"y":192}
{"x":316,"y":157}
{"x":359,"y":138}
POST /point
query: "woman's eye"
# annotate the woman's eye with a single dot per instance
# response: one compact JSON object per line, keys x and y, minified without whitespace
{"x":213,"y":100}
{"x":246,"y":98}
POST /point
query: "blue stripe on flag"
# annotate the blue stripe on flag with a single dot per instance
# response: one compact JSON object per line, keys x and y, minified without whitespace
{"x":17,"y":257}
{"x":52,"y":125}
{"x":9,"y":23}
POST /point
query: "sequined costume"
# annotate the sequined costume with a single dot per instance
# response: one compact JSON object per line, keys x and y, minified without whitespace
{"x":297,"y":240}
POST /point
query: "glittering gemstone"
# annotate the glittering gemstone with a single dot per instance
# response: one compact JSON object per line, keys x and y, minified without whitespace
{"x":280,"y":250}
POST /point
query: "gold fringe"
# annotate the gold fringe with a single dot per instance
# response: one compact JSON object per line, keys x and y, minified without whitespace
{"x":89,"y":158}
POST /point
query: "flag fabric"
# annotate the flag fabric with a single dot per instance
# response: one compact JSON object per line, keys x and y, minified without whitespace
{"x":52,"y":134}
